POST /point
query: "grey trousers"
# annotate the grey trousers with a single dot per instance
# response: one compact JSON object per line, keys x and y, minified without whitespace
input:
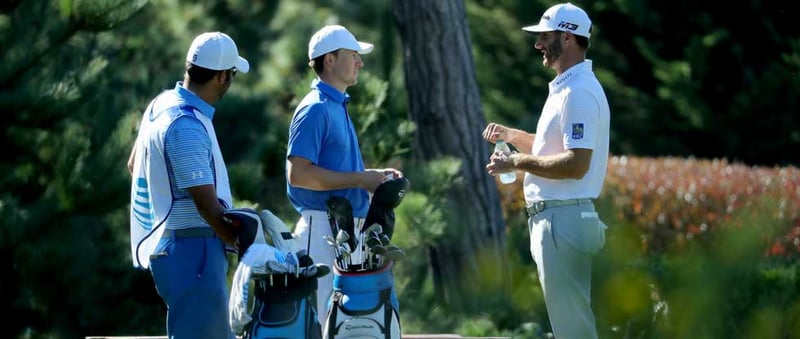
{"x":563,"y":241}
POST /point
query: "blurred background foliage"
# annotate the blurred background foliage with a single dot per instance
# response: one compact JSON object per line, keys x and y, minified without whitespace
{"x":695,"y":248}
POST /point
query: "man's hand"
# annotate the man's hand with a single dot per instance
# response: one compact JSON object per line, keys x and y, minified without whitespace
{"x":205,"y":198}
{"x":494,"y":131}
{"x":521,"y":140}
{"x":371,"y":179}
{"x":501,"y":162}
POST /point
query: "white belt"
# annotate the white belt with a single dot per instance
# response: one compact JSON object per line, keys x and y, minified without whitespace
{"x":323,"y":215}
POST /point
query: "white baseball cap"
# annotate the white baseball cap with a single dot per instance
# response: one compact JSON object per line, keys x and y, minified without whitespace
{"x":564,"y":17}
{"x":216,"y":51}
{"x":333,"y":37}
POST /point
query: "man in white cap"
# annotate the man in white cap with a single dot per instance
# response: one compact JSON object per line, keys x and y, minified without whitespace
{"x":323,"y":158}
{"x":565,"y":163}
{"x":179,"y":190}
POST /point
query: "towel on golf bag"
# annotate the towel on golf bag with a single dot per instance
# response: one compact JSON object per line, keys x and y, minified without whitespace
{"x":282,"y":237}
{"x":263,"y":228}
{"x":254,"y":261}
{"x":285,"y":281}
{"x":363,"y":305}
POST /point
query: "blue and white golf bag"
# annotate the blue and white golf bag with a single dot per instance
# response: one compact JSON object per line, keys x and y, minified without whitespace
{"x":283,"y":278}
{"x":363,"y":305}
{"x":284,"y":308}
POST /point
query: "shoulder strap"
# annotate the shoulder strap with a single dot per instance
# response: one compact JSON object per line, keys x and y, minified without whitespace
{"x":388,"y":310}
{"x":333,"y":330}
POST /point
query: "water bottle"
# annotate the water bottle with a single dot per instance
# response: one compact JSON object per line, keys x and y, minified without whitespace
{"x":507,"y":177}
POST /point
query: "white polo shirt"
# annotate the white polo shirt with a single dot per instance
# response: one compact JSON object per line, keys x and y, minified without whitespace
{"x":575,"y":115}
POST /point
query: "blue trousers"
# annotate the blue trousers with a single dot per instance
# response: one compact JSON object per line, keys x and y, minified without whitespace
{"x":190,"y":275}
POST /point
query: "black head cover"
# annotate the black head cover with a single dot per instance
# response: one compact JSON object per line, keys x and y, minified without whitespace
{"x":249,"y":224}
{"x":390,"y":193}
{"x":386,"y":198}
{"x":340,"y":215}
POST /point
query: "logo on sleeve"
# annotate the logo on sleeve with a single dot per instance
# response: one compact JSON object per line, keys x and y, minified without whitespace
{"x":577,"y":131}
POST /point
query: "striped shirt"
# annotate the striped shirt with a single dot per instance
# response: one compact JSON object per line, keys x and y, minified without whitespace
{"x":189,"y":164}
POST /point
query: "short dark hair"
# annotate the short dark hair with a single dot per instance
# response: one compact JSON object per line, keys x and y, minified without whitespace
{"x":582,"y":41}
{"x":199,"y":75}
{"x":318,"y":64}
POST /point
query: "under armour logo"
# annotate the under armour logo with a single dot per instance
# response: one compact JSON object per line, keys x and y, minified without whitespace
{"x":197,"y":175}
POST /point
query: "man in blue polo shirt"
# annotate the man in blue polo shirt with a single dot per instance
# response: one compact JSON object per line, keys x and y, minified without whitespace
{"x":180,"y":189}
{"x":323,"y":157}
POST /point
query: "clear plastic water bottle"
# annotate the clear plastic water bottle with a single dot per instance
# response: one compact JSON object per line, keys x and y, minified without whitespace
{"x":507,"y":177}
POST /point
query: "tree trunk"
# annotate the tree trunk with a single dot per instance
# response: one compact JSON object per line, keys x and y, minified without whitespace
{"x":444,"y":101}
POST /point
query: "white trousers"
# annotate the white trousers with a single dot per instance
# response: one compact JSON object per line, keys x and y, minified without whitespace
{"x":563,"y":241}
{"x":319,"y":250}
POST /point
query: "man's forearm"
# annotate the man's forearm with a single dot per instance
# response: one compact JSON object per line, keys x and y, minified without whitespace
{"x":564,"y":165}
{"x":521,"y":140}
{"x":316,"y":178}
{"x":205,"y":198}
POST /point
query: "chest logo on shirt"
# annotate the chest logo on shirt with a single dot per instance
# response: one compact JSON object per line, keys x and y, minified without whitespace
{"x":577,"y":131}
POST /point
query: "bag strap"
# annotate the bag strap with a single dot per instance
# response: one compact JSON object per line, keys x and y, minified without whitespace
{"x":332,"y":329}
{"x":388,"y":312}
{"x":386,"y":296}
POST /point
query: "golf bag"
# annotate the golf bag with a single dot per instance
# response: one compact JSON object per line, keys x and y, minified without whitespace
{"x":284,"y":281}
{"x":285,"y":307}
{"x":363,"y":305}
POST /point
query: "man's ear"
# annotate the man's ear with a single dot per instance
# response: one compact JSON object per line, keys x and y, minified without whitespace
{"x":223,"y":77}
{"x":330,"y":58}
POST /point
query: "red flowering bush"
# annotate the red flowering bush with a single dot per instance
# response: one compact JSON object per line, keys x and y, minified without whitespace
{"x":678,"y":200}
{"x":686,"y":238}
{"x":675,"y":200}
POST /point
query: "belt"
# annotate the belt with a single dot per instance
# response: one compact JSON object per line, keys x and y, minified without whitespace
{"x":539,"y":206}
{"x":194,"y":232}
{"x":356,"y":220}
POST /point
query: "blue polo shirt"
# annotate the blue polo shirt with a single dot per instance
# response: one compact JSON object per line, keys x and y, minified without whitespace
{"x":322,"y":132}
{"x":189,"y":156}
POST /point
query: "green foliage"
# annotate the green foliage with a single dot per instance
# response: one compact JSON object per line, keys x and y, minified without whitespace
{"x":690,"y":252}
{"x":419,"y":223}
{"x":384,"y":136}
{"x":66,"y":182}
{"x":726,"y":266}
{"x":731,"y":275}
{"x":99,"y":15}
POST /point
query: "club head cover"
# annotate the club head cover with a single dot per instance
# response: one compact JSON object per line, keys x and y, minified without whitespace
{"x":249,"y":225}
{"x":390,"y":193}
{"x":340,"y":214}
{"x":386,"y":198}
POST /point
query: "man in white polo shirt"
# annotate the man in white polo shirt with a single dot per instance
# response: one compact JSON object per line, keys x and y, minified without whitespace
{"x":565,"y":165}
